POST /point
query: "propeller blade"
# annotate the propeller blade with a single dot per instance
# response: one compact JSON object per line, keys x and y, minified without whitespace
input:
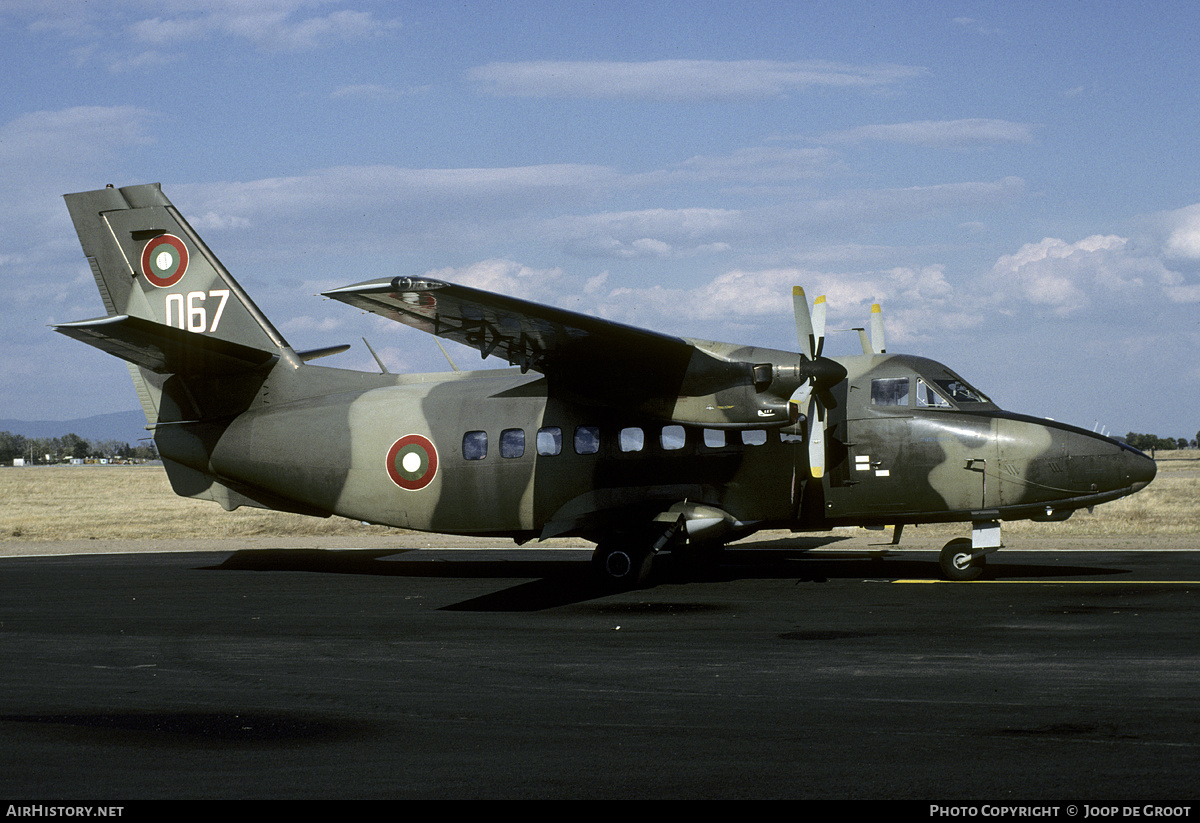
{"x":816,"y":438}
{"x":877,"y":345}
{"x":804,"y":328}
{"x":818,"y":323}
{"x":801,"y":394}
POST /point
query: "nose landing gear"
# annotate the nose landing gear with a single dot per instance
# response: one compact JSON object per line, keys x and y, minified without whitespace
{"x":959,"y":561}
{"x":964,"y":558}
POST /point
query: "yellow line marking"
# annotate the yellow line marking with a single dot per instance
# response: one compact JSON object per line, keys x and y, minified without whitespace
{"x":1068,"y":582}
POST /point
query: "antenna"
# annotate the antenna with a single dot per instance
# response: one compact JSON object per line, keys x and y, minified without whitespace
{"x":382,"y":368}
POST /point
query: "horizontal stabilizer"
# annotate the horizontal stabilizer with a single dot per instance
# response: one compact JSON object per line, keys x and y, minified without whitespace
{"x":165,"y":349}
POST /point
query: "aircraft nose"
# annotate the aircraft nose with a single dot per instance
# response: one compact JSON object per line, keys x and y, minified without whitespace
{"x":1105,"y":465}
{"x":1138,"y":468}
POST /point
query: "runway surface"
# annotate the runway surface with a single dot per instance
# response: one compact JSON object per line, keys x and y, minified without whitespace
{"x":1063,"y":676}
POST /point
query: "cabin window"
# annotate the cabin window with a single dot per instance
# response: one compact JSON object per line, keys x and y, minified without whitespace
{"x":474,"y":445}
{"x":889,"y":391}
{"x":788,"y":437}
{"x":928,"y":398}
{"x":673,"y":438}
{"x":549,"y":440}
{"x":512,"y":443}
{"x":587,"y":439}
{"x":754,"y":437}
{"x":632,"y":439}
{"x":714,"y":438}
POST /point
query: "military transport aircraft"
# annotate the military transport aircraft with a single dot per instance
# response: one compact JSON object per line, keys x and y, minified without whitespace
{"x":637,"y":441}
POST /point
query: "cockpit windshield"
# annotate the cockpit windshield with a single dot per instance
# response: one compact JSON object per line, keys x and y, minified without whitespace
{"x":960,"y":392}
{"x":947,"y":392}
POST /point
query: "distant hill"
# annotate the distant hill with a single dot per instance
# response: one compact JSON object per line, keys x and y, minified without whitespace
{"x":127,"y":427}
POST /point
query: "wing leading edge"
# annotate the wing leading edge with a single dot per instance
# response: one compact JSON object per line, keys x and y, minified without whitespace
{"x":598,"y":360}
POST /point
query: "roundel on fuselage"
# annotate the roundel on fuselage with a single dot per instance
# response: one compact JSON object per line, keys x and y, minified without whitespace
{"x":412,"y":462}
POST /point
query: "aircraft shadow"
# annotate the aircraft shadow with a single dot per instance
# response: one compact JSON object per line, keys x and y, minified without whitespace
{"x":552,"y":583}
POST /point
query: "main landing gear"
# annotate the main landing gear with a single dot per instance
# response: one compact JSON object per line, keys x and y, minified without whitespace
{"x":964,"y":558}
{"x":620,"y":565}
{"x":622,"y":560}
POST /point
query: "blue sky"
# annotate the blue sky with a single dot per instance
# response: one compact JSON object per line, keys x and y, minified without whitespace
{"x":1016,"y":183}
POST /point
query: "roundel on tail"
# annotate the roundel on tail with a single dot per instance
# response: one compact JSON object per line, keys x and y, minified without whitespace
{"x":412,"y":462}
{"x":164,"y":261}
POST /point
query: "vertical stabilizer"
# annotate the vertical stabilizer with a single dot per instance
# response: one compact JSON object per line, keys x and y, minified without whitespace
{"x":149,"y":263}
{"x":174,"y":312}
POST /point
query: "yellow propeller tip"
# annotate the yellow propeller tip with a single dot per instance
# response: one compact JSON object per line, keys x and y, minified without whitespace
{"x":820,"y":299}
{"x":797,"y":291}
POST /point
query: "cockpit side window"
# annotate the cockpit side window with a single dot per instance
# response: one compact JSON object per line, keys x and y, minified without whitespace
{"x":889,"y":391}
{"x":928,"y":398}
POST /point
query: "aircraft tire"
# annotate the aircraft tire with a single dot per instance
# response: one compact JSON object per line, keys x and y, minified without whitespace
{"x":621,"y":567}
{"x":956,"y":563}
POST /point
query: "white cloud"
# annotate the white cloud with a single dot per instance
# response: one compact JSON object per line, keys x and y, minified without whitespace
{"x":154,"y":31}
{"x":73,"y":136}
{"x":680,"y":80}
{"x":854,"y":207}
{"x":507,"y":277}
{"x":958,"y":133}
{"x":648,"y":233}
{"x":1183,"y":240}
{"x":1058,"y":274}
{"x":755,"y":305}
{"x":274,"y":25}
{"x":758,"y":165}
{"x":1108,"y":270}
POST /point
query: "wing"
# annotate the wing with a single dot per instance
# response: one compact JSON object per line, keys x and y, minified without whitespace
{"x":596,"y":359}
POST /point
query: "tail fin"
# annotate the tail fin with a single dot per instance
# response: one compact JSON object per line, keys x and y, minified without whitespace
{"x":173,"y":309}
{"x":198,"y":348}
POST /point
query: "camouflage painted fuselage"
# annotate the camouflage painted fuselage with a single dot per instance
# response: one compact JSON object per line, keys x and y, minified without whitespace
{"x":888,"y":464}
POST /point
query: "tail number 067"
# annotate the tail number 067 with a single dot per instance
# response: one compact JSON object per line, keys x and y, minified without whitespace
{"x":190,"y":312}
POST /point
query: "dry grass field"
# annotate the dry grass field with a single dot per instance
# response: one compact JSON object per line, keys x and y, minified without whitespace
{"x":128,"y":502}
{"x":132,"y":502}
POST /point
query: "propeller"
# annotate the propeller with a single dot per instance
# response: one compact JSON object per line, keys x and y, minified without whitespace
{"x":819,"y":374}
{"x":874,"y":344}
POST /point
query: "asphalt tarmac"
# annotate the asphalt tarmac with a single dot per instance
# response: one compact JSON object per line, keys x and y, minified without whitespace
{"x":1063,"y":676}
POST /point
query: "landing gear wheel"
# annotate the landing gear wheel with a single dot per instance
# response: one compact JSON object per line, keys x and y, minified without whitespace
{"x":957,"y":562}
{"x":622,"y":567}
